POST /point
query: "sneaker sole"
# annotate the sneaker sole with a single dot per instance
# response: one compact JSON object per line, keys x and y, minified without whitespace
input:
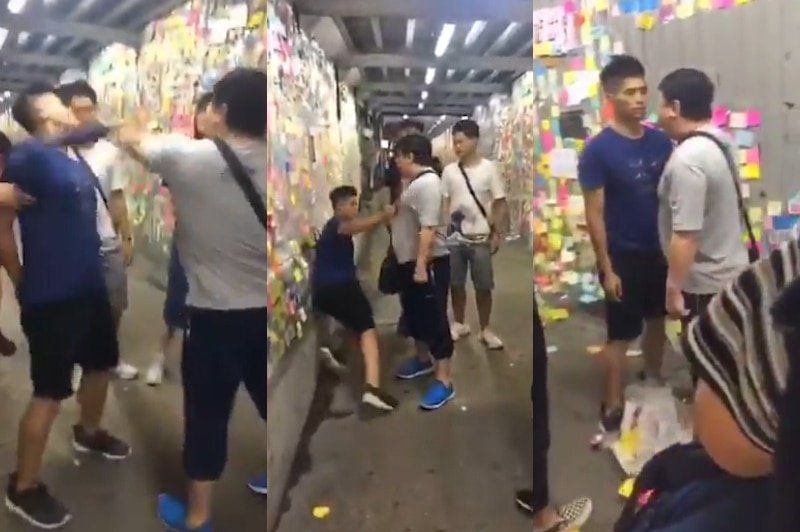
{"x":16,"y":510}
{"x":414,"y":375}
{"x":375,"y":402}
{"x":524,"y":505}
{"x":85,"y":450}
{"x":437,"y":406}
{"x":257,"y":489}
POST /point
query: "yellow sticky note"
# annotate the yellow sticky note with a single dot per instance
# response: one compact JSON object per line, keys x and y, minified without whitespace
{"x":755,"y":214}
{"x":590,"y":63}
{"x":557,"y":224}
{"x":774,"y":208}
{"x":626,"y":489}
{"x":750,"y":171}
{"x":645,"y":21}
{"x":601,"y":5}
{"x":544,"y":125}
{"x":704,"y":5}
{"x":555,"y":111}
{"x":570,"y":77}
{"x":555,"y":241}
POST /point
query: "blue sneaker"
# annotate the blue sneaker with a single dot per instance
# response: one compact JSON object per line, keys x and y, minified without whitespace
{"x":437,"y":396}
{"x":413,"y":368}
{"x":172,"y":513}
{"x":258,"y":485}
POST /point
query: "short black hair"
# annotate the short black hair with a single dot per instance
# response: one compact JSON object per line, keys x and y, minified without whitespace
{"x":5,"y":145}
{"x":21,"y":110}
{"x":416,"y":125}
{"x":693,"y":89}
{"x":468,"y":128}
{"x":342,"y":193}
{"x":418,"y":146}
{"x":618,"y":69}
{"x":76,"y":89}
{"x":243,"y":92}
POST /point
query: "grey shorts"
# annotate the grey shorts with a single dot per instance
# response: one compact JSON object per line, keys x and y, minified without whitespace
{"x":116,"y":277}
{"x":475,"y":259}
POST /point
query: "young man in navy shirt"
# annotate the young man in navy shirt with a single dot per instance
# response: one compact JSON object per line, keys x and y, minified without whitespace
{"x":619,"y":171}
{"x":337,"y":291}
{"x":65,"y":310}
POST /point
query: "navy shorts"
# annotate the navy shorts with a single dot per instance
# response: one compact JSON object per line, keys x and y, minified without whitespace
{"x":177,"y":290}
{"x":644,"y":280}
{"x":222,"y":349}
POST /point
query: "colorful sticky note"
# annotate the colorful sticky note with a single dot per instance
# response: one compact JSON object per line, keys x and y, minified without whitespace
{"x":719,"y":116}
{"x":750,"y":171}
{"x":744,"y":138}
{"x":645,"y":21}
{"x":626,"y":489}
{"x":737,"y":120}
{"x":774,"y":208}
{"x":753,"y":118}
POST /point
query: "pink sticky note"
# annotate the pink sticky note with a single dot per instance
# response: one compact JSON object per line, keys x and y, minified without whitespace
{"x":753,"y":156}
{"x":577,"y":63}
{"x":563,"y":194}
{"x":569,"y":7}
{"x":722,"y":4}
{"x":753,"y":118}
{"x":548,"y":141}
{"x":720,"y":116}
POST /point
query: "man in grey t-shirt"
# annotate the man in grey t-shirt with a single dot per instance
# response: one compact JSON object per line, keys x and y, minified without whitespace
{"x":223,"y":248}
{"x":424,"y":268}
{"x":700,"y":222}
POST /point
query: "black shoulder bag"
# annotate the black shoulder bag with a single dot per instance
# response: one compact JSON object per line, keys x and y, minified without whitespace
{"x":389,"y":278}
{"x":752,"y":250}
{"x":242,"y":178}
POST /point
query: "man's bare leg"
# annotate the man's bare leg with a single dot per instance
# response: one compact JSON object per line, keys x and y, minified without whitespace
{"x":92,"y":397}
{"x":613,"y":358}
{"x":34,"y":431}
{"x":198,"y":512}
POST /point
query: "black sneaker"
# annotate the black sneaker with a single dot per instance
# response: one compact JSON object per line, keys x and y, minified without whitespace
{"x":36,"y":506}
{"x":377,"y":398}
{"x":524,"y":500}
{"x":101,"y":442}
{"x":611,"y":420}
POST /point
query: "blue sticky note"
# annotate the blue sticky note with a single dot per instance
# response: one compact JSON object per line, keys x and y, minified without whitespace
{"x":744,"y":138}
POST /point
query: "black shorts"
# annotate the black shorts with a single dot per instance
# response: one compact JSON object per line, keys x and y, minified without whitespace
{"x":346,"y":303}
{"x":80,"y":331}
{"x":644,"y":279}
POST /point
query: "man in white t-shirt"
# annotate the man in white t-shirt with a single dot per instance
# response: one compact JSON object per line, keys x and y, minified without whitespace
{"x":475,"y":200}
{"x":112,"y":212}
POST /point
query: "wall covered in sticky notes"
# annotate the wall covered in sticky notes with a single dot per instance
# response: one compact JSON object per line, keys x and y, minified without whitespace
{"x":312,"y":131}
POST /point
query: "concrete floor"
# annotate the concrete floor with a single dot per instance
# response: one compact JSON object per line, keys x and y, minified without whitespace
{"x":455,"y":470}
{"x":121,"y":497}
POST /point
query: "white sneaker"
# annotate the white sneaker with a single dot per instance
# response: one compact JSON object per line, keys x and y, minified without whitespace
{"x":491,"y":340}
{"x":126,"y":372}
{"x":459,"y":330}
{"x":155,"y":374}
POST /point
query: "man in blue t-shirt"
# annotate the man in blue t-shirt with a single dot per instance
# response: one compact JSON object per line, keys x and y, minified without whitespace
{"x":337,"y":292}
{"x":64,"y":307}
{"x":619,"y":171}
